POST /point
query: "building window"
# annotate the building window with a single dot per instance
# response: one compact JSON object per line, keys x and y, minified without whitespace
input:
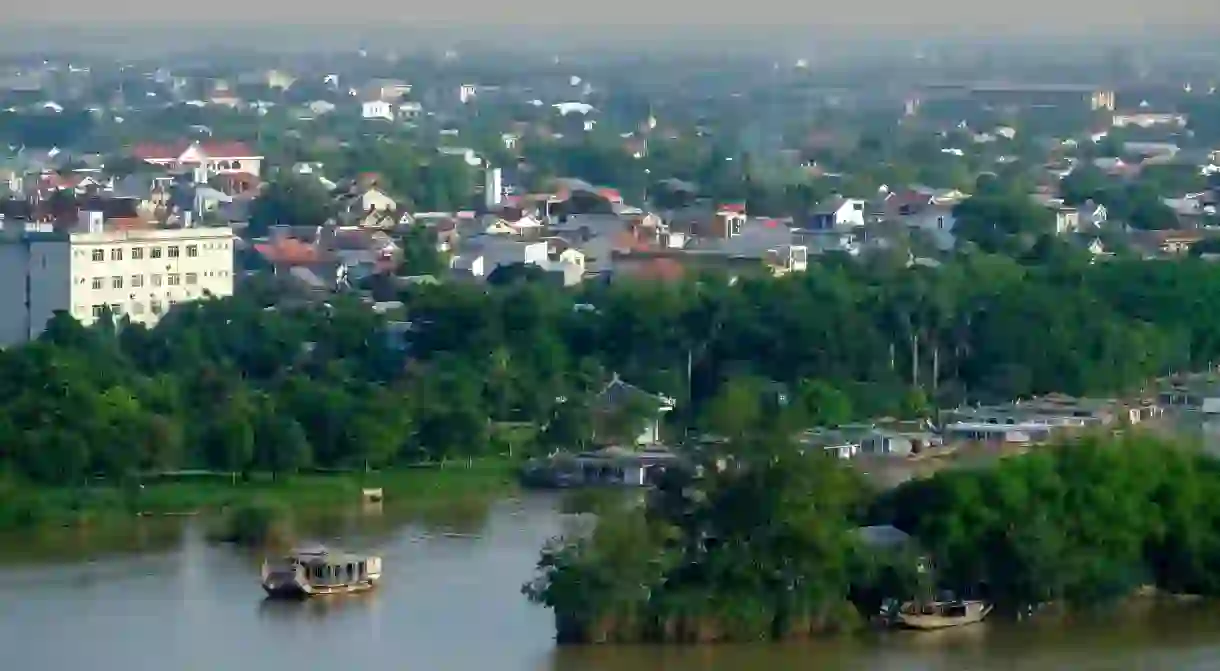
{"x":137,"y":281}
{"x":173,"y":251}
{"x":137,"y":253}
{"x":156,"y":280}
{"x":116,"y":282}
{"x":192,"y":251}
{"x":99,"y":255}
{"x":174,"y":279}
{"x":155,"y":253}
{"x":137,"y":308}
{"x":97,"y":283}
{"x":155,"y":307}
{"x":116,"y":254}
{"x":97,"y":311}
{"x":116,"y":309}
{"x":192,"y":278}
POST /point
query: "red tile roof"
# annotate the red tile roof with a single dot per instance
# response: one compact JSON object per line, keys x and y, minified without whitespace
{"x":288,"y":251}
{"x":611,"y":195}
{"x":626,"y":241}
{"x":127,"y":223}
{"x":169,"y":152}
{"x":659,"y":269}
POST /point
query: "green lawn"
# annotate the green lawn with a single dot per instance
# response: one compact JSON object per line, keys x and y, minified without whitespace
{"x":206,"y":492}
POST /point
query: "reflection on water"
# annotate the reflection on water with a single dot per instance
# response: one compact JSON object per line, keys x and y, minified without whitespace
{"x":450,"y":599}
{"x":304,"y":610}
{"x":139,"y":535}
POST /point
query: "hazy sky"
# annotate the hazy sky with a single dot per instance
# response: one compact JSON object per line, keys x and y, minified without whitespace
{"x":955,"y":16}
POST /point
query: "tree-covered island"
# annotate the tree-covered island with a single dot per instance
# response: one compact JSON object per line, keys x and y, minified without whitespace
{"x":763,"y":541}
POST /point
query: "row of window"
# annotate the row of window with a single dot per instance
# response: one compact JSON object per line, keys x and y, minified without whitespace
{"x":156,"y":307}
{"x":137,"y":281}
{"x":171,"y":251}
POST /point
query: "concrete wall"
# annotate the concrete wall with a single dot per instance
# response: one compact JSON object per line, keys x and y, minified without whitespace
{"x":14,"y":315}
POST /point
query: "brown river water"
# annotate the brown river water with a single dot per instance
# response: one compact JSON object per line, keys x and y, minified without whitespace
{"x":162,"y":598}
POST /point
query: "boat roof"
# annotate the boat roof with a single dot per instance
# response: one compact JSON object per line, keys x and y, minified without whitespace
{"x":320,"y":554}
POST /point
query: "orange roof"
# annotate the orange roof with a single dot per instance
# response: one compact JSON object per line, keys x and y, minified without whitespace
{"x":127,"y":223}
{"x":288,"y":251}
{"x":626,"y":241}
{"x":169,"y":152}
{"x":660,"y":269}
{"x":611,"y":195}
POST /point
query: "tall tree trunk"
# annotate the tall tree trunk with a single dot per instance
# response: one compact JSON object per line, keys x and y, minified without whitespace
{"x":935,"y":369}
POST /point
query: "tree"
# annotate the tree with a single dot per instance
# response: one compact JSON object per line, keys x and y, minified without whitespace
{"x":516,"y":273}
{"x":280,"y":443}
{"x":291,"y":200}
{"x":419,"y":253}
{"x":1000,"y":221}
{"x":822,"y":404}
{"x":570,"y":427}
{"x":228,"y":438}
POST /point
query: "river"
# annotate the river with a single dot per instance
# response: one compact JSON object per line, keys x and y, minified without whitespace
{"x":450,"y":601}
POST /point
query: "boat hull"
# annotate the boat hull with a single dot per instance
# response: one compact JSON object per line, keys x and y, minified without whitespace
{"x":931,"y":622}
{"x":293,"y":589}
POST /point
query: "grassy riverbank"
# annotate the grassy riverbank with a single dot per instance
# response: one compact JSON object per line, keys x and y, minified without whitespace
{"x":23,"y":506}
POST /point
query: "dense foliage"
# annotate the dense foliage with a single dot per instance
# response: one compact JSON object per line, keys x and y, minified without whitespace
{"x":1082,"y":523}
{"x":762,"y":547}
{"x":759,"y":546}
{"x":237,"y":386}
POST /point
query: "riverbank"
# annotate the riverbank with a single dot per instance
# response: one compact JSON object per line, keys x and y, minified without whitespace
{"x":189,"y":494}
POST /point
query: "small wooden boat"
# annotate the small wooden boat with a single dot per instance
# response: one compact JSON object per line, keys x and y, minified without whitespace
{"x":941,"y":614}
{"x":318,"y":571}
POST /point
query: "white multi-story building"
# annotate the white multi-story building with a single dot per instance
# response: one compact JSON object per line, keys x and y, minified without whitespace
{"x":139,"y":273}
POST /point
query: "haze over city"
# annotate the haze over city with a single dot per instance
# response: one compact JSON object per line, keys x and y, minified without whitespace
{"x":938,"y":16}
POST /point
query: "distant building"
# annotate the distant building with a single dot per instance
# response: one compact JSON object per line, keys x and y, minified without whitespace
{"x":215,"y":158}
{"x":380,"y":110}
{"x":838,"y":212}
{"x":1027,"y":95}
{"x":138,"y":272}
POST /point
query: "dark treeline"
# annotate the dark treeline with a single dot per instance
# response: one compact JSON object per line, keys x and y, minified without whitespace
{"x":235,"y":386}
{"x":763,"y":545}
{"x":1083,"y":524}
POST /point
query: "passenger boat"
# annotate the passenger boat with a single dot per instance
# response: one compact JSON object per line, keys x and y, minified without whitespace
{"x":941,"y":614}
{"x":318,"y":571}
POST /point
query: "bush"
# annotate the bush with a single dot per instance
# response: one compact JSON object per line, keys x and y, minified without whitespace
{"x":258,"y":524}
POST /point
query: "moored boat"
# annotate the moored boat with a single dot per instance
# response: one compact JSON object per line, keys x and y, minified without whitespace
{"x":318,"y":571}
{"x":941,"y":614}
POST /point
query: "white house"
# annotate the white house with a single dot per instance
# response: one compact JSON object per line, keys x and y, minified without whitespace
{"x":410,"y":110}
{"x":838,"y":212}
{"x":484,"y":254}
{"x":1093,"y":214}
{"x":377,"y":109}
{"x":618,"y":395}
{"x":217,"y":158}
{"x":321,"y":107}
{"x":1067,"y":220}
{"x":567,"y":108}
{"x":139,"y":273}
{"x":467,"y":154}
